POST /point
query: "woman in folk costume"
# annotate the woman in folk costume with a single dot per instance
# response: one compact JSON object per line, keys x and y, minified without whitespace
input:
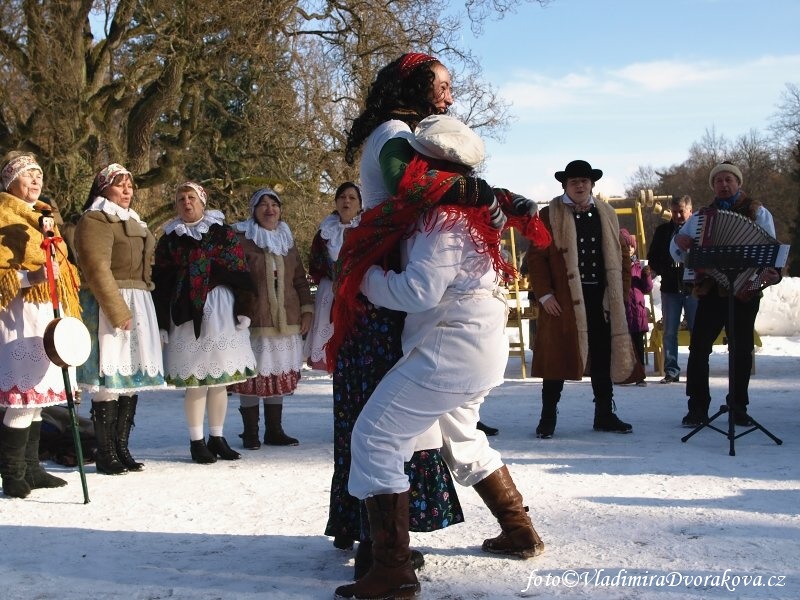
{"x":582,"y":281}
{"x":115,"y":253}
{"x":454,"y":351}
{"x":203,"y":303}
{"x":324,"y":251}
{"x":282,"y":315}
{"x":29,"y":381}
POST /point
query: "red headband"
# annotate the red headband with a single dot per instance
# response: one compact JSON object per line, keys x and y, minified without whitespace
{"x":411,"y":60}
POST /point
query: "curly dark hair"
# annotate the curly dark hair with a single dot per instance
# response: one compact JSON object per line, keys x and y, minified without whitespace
{"x":392,"y":97}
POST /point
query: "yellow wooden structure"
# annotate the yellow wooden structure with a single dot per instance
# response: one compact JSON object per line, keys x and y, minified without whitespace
{"x":517,"y":313}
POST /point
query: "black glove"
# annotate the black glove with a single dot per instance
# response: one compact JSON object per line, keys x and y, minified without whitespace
{"x":485,"y":193}
{"x":523,"y":206}
{"x":473,"y":191}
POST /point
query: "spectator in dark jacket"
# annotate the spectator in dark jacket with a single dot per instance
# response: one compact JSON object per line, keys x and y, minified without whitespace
{"x":676,"y":296}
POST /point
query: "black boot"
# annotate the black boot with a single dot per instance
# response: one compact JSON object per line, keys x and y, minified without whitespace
{"x":274,"y":436}
{"x":200,"y":453}
{"x":218,"y":445}
{"x":104,"y":417}
{"x":547,"y":422}
{"x":343,"y":542}
{"x":606,"y":420}
{"x":487,"y":430}
{"x":35,"y":475}
{"x":391,"y":574}
{"x":249,"y":436}
{"x":12,"y":461}
{"x":126,"y":412}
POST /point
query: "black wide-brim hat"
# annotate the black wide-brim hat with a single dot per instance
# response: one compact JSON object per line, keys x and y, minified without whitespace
{"x":578,"y":168}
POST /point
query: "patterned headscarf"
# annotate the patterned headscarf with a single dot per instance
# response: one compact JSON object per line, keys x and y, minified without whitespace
{"x":16,"y":166}
{"x":201,"y":193}
{"x":106,"y":177}
{"x":411,"y":60}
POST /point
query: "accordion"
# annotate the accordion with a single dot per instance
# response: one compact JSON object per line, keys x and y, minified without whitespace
{"x":732,"y":244}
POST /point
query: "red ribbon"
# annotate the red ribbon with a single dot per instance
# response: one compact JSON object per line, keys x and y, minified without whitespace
{"x":49,"y":245}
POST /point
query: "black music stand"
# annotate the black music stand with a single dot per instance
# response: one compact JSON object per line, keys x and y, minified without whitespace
{"x":731,"y":261}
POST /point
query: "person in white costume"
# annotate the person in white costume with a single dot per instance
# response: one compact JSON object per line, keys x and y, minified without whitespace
{"x":454,"y":352}
{"x":28,"y":380}
{"x":203,"y":299}
{"x":115,"y":251}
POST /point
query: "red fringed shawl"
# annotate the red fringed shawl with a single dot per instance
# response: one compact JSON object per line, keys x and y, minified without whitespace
{"x":383,"y":227}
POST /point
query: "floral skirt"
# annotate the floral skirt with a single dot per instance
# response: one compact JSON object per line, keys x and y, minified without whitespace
{"x":278,"y":360}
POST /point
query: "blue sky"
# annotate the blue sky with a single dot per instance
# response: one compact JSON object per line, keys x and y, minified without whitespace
{"x":627,"y":83}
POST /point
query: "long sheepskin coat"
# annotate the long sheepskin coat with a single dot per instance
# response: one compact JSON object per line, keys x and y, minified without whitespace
{"x":562,"y":344}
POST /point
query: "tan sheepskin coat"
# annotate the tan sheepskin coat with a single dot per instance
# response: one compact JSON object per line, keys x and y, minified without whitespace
{"x":282,"y":298}
{"x":114,"y":254}
{"x":562,"y":345}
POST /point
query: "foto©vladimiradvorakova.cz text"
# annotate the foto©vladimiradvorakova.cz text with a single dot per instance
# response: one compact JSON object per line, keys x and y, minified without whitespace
{"x":622,"y":578}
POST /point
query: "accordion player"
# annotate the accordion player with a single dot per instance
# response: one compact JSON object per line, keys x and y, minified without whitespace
{"x":733,"y":219}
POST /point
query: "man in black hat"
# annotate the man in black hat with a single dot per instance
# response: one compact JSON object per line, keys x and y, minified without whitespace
{"x":581,"y":281}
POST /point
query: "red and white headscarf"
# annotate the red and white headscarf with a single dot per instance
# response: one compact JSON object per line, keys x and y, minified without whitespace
{"x":15,"y":166}
{"x":201,"y":193}
{"x":106,"y":177}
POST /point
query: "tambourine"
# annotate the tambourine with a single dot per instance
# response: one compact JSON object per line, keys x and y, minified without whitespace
{"x":67,"y":342}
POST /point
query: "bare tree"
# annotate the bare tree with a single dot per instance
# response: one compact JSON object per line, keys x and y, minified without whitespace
{"x":178,"y":89}
{"x":786,"y":122}
{"x":644,"y":178}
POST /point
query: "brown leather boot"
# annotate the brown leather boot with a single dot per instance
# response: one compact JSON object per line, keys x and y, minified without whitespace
{"x":391,"y":574}
{"x":518,"y":537}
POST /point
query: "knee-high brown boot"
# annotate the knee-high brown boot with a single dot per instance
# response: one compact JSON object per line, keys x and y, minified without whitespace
{"x":35,"y":475}
{"x":126,"y":410}
{"x":391,"y":574}
{"x":518,"y":537}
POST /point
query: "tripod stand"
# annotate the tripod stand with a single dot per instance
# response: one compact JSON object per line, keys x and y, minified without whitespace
{"x":731,"y":261}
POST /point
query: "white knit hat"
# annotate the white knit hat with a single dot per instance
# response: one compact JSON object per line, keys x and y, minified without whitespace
{"x":725,"y":166}
{"x":446,"y":138}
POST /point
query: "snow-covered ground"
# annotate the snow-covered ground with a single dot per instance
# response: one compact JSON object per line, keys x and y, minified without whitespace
{"x":623,"y":516}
